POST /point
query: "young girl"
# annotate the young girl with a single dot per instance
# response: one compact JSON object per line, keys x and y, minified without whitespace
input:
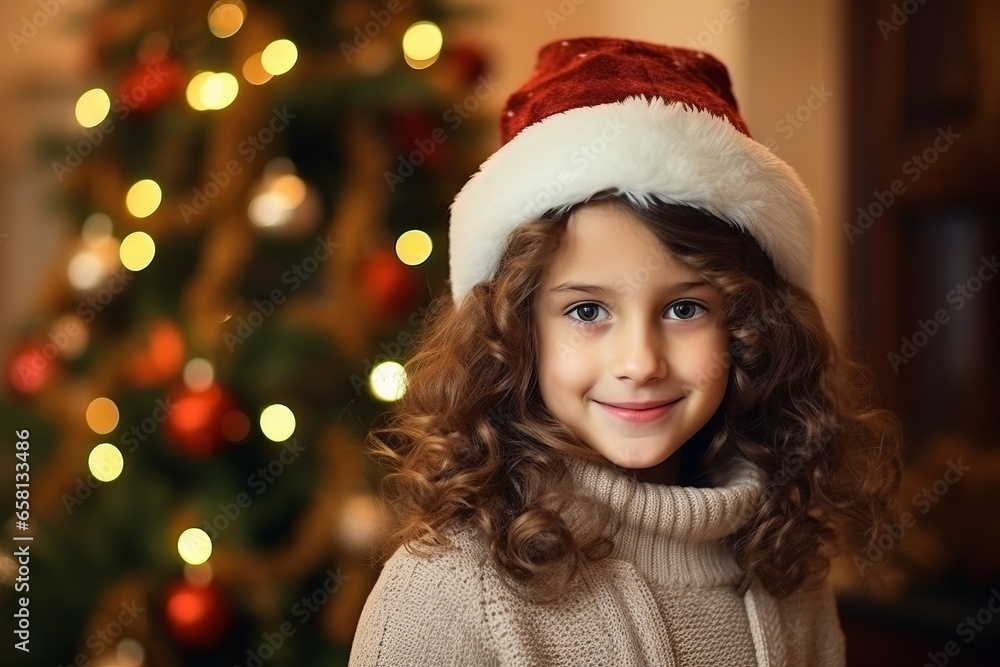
{"x":627,"y":436}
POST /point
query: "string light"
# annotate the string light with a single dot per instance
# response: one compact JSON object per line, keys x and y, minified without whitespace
{"x":96,"y":228}
{"x":388,"y":381}
{"x":137,"y":251}
{"x":102,"y":415}
{"x":219,"y":90}
{"x":279,"y":56}
{"x":92,"y":107}
{"x":85,"y":270}
{"x":105,"y":462}
{"x":194,"y":546}
{"x":277,"y":422}
{"x":143,"y":198}
{"x":71,"y":331}
{"x":193,"y":91}
{"x":413,"y":247}
{"x":226,"y":17}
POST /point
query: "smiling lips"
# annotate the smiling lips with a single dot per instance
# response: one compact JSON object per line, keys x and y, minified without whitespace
{"x":639,"y":413}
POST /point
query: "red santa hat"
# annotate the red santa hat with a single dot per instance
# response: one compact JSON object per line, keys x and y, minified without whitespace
{"x":644,"y":120}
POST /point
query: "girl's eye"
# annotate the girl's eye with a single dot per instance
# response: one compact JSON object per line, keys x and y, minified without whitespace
{"x":588,"y":313}
{"x":686,"y":310}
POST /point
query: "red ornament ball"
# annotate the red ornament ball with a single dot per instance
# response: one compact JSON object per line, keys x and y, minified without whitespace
{"x":146,"y":87}
{"x":197,"y":617}
{"x":388,"y":283}
{"x":197,"y":420}
{"x":32,"y":366}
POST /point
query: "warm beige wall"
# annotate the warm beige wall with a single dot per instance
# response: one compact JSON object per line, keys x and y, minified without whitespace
{"x":775,"y":50}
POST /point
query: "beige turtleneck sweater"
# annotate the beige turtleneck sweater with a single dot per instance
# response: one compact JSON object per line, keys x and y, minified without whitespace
{"x":666,"y":596}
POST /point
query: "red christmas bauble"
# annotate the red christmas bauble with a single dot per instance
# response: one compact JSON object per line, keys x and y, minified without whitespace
{"x":197,"y":617}
{"x":146,"y":87}
{"x":197,"y":420}
{"x":388,"y":283}
{"x":32,"y":365}
{"x":158,"y":357}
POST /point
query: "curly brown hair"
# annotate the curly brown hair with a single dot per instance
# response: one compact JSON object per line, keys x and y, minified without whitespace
{"x":471,"y":440}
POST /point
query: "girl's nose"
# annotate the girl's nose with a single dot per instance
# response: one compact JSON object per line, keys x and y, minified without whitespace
{"x":639,"y":352}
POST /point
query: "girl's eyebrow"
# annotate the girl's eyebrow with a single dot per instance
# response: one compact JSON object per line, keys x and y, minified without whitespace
{"x":605,"y":290}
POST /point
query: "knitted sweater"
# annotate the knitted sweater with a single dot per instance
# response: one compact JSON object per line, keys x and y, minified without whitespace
{"x":667,"y":596}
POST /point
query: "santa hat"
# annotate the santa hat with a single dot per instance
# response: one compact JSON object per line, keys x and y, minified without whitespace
{"x":643,"y":120}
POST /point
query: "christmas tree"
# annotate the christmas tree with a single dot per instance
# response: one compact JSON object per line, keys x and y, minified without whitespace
{"x":258,"y":198}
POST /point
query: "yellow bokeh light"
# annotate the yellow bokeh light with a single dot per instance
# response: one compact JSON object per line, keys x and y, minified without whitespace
{"x":388,"y":381}
{"x":226,"y":17}
{"x":219,"y":90}
{"x":102,"y":415}
{"x":72,"y":333}
{"x":143,"y":198}
{"x":194,"y":88}
{"x":137,"y":251}
{"x":105,"y":462}
{"x":194,"y":546}
{"x":279,"y":56}
{"x":92,"y":107}
{"x":254,"y":72}
{"x":198,"y":374}
{"x":414,"y":247}
{"x":419,"y":64}
{"x":277,"y":422}
{"x":422,"y":41}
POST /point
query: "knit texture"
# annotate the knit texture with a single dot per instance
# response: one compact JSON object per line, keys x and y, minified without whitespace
{"x":667,"y":596}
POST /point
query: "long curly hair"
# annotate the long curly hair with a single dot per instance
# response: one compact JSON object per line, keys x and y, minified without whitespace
{"x":472,"y":442}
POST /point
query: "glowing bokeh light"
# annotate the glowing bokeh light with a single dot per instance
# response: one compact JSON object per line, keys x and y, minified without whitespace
{"x":105,"y":462}
{"x":226,"y":17}
{"x":85,"y":270}
{"x":279,"y":56}
{"x":422,"y":41}
{"x":96,"y":228}
{"x":137,"y":251}
{"x":143,"y":198}
{"x":388,"y":381}
{"x":102,"y":415}
{"x":198,"y":374}
{"x":277,"y":422}
{"x":414,"y":247}
{"x":254,"y":72}
{"x":92,"y":107}
{"x":194,"y":546}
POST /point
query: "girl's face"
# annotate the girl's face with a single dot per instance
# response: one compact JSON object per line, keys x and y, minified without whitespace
{"x":631,"y":355}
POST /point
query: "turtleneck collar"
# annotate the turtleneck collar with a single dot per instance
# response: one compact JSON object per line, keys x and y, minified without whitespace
{"x":675,"y":535}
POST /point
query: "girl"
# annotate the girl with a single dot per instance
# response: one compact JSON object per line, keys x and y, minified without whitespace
{"x":627,"y":437}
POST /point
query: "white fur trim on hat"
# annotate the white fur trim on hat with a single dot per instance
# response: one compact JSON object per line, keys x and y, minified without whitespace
{"x":641,"y":148}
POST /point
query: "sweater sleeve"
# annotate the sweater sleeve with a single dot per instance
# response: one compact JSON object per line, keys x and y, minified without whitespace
{"x":424,"y":611}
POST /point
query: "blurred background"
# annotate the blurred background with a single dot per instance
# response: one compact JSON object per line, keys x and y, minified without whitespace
{"x":222,"y":224}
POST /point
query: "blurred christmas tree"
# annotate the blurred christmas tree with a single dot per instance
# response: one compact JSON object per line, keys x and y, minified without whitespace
{"x":255,"y":191}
